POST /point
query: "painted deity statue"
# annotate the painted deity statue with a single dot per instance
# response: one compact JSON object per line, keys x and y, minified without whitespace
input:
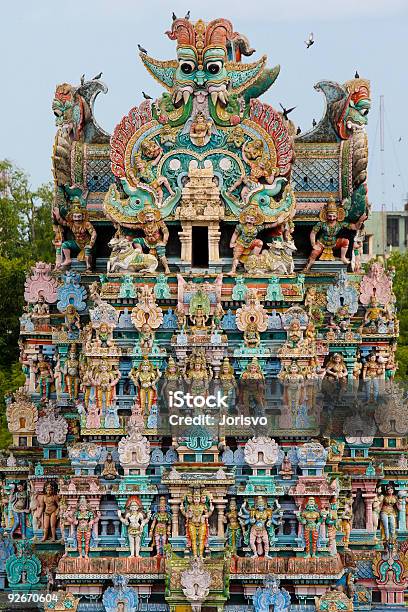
{"x":376,"y":507}
{"x":260,"y":520}
{"x":252,"y":385}
{"x":172,"y":379}
{"x":135,"y":519}
{"x":44,"y":376}
{"x":330,"y":518}
{"x":346,"y":519}
{"x":311,"y":518}
{"x":84,"y":234}
{"x":160,"y":528}
{"x":324,"y":236}
{"x":389,"y":513}
{"x":72,"y":322}
{"x":244,"y":240}
{"x":145,"y":379}
{"x":19,"y":508}
{"x":336,"y":369}
{"x":227,"y":381}
{"x":109,"y":471}
{"x":156,"y":234}
{"x":197,"y":509}
{"x":292,"y":379}
{"x":48,"y":511}
{"x":83,"y":519}
{"x":234,"y":530}
{"x":71,"y":373}
{"x":104,"y":379}
{"x":40,"y":313}
{"x":198,"y":375}
{"x":373,"y":371}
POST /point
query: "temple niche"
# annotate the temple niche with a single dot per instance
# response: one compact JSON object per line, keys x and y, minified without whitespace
{"x":209,"y":418}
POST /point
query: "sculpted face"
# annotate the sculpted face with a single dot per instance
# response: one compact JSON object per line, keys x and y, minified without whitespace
{"x":191,"y":77}
{"x":331,"y":217}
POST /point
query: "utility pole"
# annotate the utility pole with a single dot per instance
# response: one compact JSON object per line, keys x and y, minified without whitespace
{"x":382,"y":163}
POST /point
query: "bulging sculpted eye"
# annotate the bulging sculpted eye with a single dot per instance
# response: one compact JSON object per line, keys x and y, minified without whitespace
{"x":186,"y":67}
{"x":364,"y":111}
{"x":214,"y":67}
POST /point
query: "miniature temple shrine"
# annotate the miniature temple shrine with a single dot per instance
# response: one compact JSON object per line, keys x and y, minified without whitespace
{"x":209,"y":419}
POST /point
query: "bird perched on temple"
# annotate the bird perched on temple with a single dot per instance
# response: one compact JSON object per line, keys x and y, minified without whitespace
{"x":310,"y":41}
{"x":146,"y":96}
{"x":174,"y":16}
{"x":314,"y":122}
{"x":141,"y":49}
{"x":187,"y":16}
{"x":97,"y":76}
{"x":298,"y":131}
{"x":356,"y":76}
{"x":286,"y":111}
{"x":82,"y":79}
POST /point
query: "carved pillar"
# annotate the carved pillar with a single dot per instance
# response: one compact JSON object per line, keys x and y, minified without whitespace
{"x":220,"y":510}
{"x":174,"y":503}
{"x":214,"y":236}
{"x":185,"y":236}
{"x":368,"y":501}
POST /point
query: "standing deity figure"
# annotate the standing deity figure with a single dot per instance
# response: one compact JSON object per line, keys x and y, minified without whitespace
{"x":372,"y":372}
{"x":72,"y":322}
{"x":324,"y":235}
{"x":377,"y":505}
{"x":135,"y":520}
{"x":330,"y":518}
{"x":358,"y":244}
{"x":156,"y":234}
{"x":19,"y":508}
{"x":389,"y":513}
{"x":244,"y":240}
{"x":252,"y":385}
{"x":48,"y":511}
{"x":346,"y":519}
{"x":84,"y":235}
{"x":83,"y":519}
{"x":104,"y":379}
{"x":311,"y":518}
{"x":199,"y":319}
{"x":198,"y":375}
{"x":172,"y":379}
{"x":260,"y":521}
{"x":44,"y":376}
{"x":336,"y":369}
{"x":145,"y":379}
{"x":71,"y":373}
{"x":197,"y":509}
{"x":227,"y":381}
{"x":160,"y":528}
{"x":234,"y":531}
{"x":292,"y":379}
{"x":217,"y":317}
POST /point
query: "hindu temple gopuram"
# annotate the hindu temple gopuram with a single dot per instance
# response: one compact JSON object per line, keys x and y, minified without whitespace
{"x":209,"y":420}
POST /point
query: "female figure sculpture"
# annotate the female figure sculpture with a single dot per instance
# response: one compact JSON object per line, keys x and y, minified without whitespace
{"x":135,"y":520}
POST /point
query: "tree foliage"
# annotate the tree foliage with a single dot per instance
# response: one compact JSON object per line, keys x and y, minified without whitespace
{"x":25,"y":237}
{"x":400,"y":262}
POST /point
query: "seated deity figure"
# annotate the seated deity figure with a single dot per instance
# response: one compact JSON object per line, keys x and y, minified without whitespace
{"x":244,"y":239}
{"x":84,"y":235}
{"x":109,"y":471}
{"x":197,"y":509}
{"x":336,"y":369}
{"x":324,"y":236}
{"x":135,"y":520}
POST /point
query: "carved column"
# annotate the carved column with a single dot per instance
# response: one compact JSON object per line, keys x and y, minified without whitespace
{"x":214,"y":236}
{"x":174,"y":503}
{"x":368,"y":501}
{"x":220,"y":510}
{"x":185,"y":236}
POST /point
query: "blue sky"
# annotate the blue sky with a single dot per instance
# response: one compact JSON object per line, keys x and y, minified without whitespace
{"x":44,"y":43}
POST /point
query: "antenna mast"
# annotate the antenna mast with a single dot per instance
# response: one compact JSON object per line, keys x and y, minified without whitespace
{"x":382,"y":165}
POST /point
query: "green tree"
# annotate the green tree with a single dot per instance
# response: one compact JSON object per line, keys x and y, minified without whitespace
{"x":400,"y":262}
{"x":25,"y":237}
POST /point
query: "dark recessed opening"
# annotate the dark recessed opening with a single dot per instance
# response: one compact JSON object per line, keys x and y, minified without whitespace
{"x":200,"y":247}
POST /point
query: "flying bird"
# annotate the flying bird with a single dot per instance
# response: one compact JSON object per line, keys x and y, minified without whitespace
{"x":174,"y":16}
{"x":310,"y":41}
{"x":97,"y":77}
{"x":286,"y":111}
{"x":187,"y":16}
{"x":356,"y":76}
{"x":314,"y":122}
{"x":141,"y":49}
{"x":146,"y":96}
{"x":298,"y":131}
{"x":399,"y":139}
